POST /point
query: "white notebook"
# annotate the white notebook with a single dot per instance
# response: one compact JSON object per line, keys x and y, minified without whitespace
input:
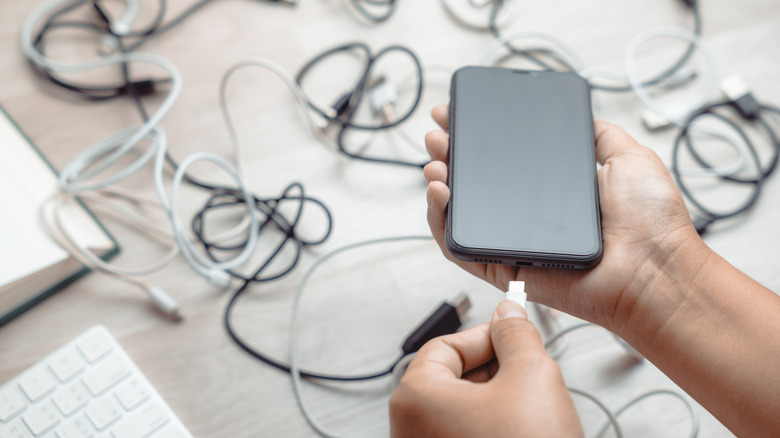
{"x":32,"y":265}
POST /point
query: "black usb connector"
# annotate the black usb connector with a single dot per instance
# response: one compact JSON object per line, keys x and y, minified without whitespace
{"x":738,"y":93}
{"x":445,"y":320}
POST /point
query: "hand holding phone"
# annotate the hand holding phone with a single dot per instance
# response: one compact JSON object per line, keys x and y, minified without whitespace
{"x":646,"y":233}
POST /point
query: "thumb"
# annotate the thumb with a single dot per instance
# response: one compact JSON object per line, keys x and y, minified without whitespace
{"x":515,"y":339}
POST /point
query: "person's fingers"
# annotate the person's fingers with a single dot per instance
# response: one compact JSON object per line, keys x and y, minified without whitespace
{"x":438,"y":145}
{"x":441,"y":114}
{"x":482,"y":373}
{"x":453,"y":355}
{"x":516,"y":341}
{"x":438,"y":196}
{"x":435,"y":171}
{"x":611,"y":141}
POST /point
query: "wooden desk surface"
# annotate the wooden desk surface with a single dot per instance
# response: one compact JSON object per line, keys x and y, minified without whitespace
{"x":359,"y":307}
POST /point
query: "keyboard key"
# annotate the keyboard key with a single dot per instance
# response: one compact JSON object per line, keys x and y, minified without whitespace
{"x":141,"y":423}
{"x":41,"y":418}
{"x":105,"y":375}
{"x":37,"y":382}
{"x":170,"y":431}
{"x":94,"y":345}
{"x":16,"y":430}
{"x":87,"y":384}
{"x":104,"y":412}
{"x":66,"y":364}
{"x":131,"y":393}
{"x":77,"y":427}
{"x":11,"y":403}
{"x":70,"y":398}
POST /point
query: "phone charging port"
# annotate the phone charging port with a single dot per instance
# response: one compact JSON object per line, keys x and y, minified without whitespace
{"x":523,"y":264}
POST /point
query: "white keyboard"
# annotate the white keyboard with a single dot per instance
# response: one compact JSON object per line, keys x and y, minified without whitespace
{"x":88,"y":388}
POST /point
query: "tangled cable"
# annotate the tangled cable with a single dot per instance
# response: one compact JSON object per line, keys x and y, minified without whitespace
{"x":705,"y":216}
{"x":93,"y":174}
{"x":343,"y":111}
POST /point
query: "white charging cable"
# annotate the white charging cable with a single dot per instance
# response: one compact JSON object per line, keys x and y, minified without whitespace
{"x":122,"y":26}
{"x":631,"y":78}
{"x":85,"y":173}
{"x":516,"y":292}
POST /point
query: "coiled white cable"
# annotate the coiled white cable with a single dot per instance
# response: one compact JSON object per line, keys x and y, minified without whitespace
{"x":82,"y":173}
{"x":122,"y":26}
{"x":677,"y":117}
{"x":297,"y":381}
{"x":488,"y":54}
{"x":631,"y":78}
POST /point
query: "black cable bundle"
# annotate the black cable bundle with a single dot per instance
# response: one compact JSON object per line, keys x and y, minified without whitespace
{"x":346,"y":106}
{"x":750,"y":114}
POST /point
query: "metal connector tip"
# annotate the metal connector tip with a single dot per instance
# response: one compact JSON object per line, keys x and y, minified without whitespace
{"x":176,"y":316}
{"x":734,"y":87}
{"x":462,"y":304}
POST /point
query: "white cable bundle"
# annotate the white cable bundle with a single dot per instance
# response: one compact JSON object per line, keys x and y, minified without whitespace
{"x":80,"y":177}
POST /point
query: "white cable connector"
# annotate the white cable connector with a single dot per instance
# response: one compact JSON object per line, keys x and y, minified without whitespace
{"x":219,"y":277}
{"x":382,"y":95}
{"x":163,"y":301}
{"x":516,"y":293}
{"x":122,"y":26}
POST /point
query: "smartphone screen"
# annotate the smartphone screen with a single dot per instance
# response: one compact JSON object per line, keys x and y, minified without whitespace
{"x":522,"y":169}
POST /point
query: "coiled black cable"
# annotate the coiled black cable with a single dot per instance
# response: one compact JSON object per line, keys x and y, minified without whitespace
{"x":346,"y":108}
{"x":755,"y":183}
{"x":388,"y":5}
{"x":534,"y":55}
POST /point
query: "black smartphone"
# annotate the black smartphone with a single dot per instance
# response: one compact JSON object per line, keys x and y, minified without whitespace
{"x":522,"y":169}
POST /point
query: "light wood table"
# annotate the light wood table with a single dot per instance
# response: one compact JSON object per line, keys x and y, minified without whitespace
{"x":360,"y":306}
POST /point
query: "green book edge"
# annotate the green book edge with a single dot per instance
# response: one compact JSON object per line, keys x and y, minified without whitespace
{"x":4,"y":319}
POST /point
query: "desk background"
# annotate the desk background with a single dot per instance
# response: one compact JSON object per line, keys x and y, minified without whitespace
{"x":358,"y":307}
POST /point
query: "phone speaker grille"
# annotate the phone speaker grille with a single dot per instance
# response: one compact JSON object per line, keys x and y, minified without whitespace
{"x":487,"y":261}
{"x":557,"y":265}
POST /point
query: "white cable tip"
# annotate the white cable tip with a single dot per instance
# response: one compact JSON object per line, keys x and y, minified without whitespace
{"x":517,"y":293}
{"x":163,"y":301}
{"x":218,"y":277}
{"x":120,"y":28}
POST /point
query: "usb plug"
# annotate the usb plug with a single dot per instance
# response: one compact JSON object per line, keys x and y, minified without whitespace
{"x":445,"y":320}
{"x":736,"y":90}
{"x":382,"y":97}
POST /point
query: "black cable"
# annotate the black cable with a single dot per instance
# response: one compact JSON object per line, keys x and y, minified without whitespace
{"x":270,"y":209}
{"x":345,"y":109}
{"x":376,"y":18}
{"x":533,"y":55}
{"x":709,"y":215}
{"x":143,"y":86}
{"x":227,"y":320}
{"x":529,"y":55}
{"x":156,"y":28}
{"x":693,"y":5}
{"x":356,"y":94}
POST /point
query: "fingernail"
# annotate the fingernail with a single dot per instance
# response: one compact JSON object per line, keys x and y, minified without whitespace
{"x":510,"y":309}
